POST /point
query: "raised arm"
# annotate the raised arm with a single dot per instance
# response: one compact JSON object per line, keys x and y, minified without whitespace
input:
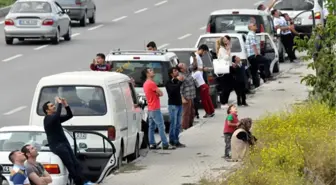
{"x":68,"y":115}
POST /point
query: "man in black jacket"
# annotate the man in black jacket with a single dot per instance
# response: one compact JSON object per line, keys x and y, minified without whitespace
{"x":174,"y":106}
{"x":239,"y":80}
{"x":58,"y":143}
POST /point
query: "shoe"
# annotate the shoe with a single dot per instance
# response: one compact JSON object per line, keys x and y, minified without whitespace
{"x":197,"y":116}
{"x":153,"y":147}
{"x":168,"y":147}
{"x":212,"y":115}
{"x":180,"y":145}
{"x":245,"y":104}
{"x":172,"y":143}
{"x":271,"y":78}
{"x":89,"y":183}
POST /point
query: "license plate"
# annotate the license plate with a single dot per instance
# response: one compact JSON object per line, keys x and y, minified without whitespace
{"x":7,"y":168}
{"x":28,"y":22}
{"x":80,"y":135}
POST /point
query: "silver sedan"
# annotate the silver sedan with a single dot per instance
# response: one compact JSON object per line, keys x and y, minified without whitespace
{"x":37,"y":19}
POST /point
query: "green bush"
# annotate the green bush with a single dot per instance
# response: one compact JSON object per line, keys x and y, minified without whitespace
{"x":288,"y":143}
{"x":4,"y":3}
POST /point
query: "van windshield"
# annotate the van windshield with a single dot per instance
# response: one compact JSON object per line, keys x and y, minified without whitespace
{"x":233,"y":23}
{"x":295,"y":5}
{"x":83,"y":100}
{"x":134,"y":68}
{"x":211,"y":43}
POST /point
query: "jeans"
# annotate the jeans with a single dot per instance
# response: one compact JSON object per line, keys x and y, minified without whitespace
{"x":175,"y":113}
{"x":155,"y":119}
{"x":227,"y":138}
{"x":66,"y":154}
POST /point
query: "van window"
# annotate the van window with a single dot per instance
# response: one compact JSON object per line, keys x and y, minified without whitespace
{"x":294,"y":5}
{"x":184,"y":57}
{"x":83,"y":100}
{"x":233,"y":23}
{"x":211,"y":43}
{"x":267,"y":25}
{"x":134,"y":68}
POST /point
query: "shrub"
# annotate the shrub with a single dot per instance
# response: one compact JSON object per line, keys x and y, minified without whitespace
{"x":288,"y":144}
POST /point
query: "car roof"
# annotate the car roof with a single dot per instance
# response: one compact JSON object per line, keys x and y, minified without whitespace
{"x":239,"y":35}
{"x":22,"y":128}
{"x":241,"y":11}
{"x":121,"y":55}
{"x":35,"y":1}
{"x":83,"y":78}
{"x":181,"y":49}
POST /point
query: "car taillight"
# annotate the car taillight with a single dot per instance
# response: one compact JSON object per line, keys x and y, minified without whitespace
{"x":111,"y":133}
{"x":78,"y":2}
{"x":317,"y":16}
{"x":9,"y":22}
{"x":48,"y":22}
{"x":208,"y":28}
{"x":52,"y":168}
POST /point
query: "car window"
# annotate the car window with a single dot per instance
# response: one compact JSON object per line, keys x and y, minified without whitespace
{"x":211,"y":43}
{"x":233,"y":23}
{"x":134,"y":68}
{"x":184,"y":57}
{"x":267,"y":25}
{"x":58,"y":8}
{"x":31,"y":7}
{"x":83,"y":100}
{"x":295,"y":5}
{"x":10,"y":141}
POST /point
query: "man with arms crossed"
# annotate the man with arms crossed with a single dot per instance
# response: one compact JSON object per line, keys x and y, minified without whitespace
{"x":58,"y":143}
{"x":155,"y":118}
{"x":18,"y":175}
{"x":36,"y":173}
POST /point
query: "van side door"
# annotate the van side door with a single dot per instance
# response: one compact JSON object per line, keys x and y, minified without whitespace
{"x":269,"y":50}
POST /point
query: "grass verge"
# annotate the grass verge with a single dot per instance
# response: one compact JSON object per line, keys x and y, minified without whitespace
{"x":4,"y":3}
{"x":296,"y":147}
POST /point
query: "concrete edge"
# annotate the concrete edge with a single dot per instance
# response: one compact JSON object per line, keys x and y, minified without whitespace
{"x":4,"y":11}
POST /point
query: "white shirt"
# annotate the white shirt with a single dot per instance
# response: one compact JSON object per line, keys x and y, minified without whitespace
{"x":199,"y":61}
{"x":223,"y":54}
{"x":198,"y":76}
{"x":282,"y":23}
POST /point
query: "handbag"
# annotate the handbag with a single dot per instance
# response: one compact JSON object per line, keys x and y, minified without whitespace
{"x":221,"y":66}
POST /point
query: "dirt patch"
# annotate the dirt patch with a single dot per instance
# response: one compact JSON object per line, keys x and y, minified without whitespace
{"x":130,"y":168}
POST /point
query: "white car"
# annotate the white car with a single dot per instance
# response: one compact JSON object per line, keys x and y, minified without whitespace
{"x":100,"y":157}
{"x":301,"y":12}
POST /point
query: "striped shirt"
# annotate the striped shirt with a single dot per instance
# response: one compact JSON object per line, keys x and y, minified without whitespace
{"x":251,"y":40}
{"x":188,"y":88}
{"x":18,"y":175}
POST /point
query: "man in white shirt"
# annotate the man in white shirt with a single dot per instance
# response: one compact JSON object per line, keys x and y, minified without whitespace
{"x":268,"y":8}
{"x":202,"y":50}
{"x":287,"y":37}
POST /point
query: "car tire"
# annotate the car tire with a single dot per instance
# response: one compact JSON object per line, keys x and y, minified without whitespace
{"x":67,"y":36}
{"x":136,"y":153}
{"x":82,"y":22}
{"x":92,"y":20}
{"x":9,"y":40}
{"x":276,"y":68}
{"x":120,"y":157}
{"x":55,"y":40}
{"x":70,"y":181}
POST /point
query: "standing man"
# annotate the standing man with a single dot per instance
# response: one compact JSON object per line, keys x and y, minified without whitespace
{"x":58,"y":143}
{"x":287,"y":37}
{"x":188,"y":93}
{"x":18,"y":175}
{"x":174,"y":106}
{"x":151,"y":46}
{"x":36,"y":173}
{"x":268,"y":8}
{"x":153,"y":94}
{"x":254,"y":57}
{"x":99,"y":64}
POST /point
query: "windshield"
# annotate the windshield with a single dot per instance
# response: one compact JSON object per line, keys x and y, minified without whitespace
{"x":232,"y":23}
{"x":83,"y":100}
{"x":295,"y":5}
{"x":211,"y":43}
{"x":31,"y":7}
{"x":184,"y":57}
{"x":134,"y":68}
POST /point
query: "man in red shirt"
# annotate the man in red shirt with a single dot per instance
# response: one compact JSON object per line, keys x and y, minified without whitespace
{"x":99,"y":64}
{"x":155,"y":117}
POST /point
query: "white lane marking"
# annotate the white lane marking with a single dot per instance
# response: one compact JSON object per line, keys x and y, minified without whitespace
{"x":160,"y":3}
{"x":184,"y":36}
{"x":96,"y":27}
{"x":258,"y":3}
{"x":142,"y":10}
{"x":202,"y":28}
{"x":120,"y":18}
{"x":1,"y":22}
{"x":41,"y":47}
{"x":12,"y":58}
{"x":163,"y":46}
{"x":15,"y":110}
{"x":75,"y":34}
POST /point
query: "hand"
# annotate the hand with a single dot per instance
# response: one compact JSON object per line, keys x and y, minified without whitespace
{"x":58,"y":100}
{"x":184,"y":100}
{"x":205,"y":69}
{"x":180,"y":78}
{"x":64,"y":102}
{"x":94,"y":62}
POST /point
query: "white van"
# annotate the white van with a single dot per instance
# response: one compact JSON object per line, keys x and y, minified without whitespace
{"x":105,"y":102}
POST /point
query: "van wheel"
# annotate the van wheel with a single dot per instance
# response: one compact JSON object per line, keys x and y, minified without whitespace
{"x":120,"y":157}
{"x":276,"y":68}
{"x":82,"y":22}
{"x":136,"y":153}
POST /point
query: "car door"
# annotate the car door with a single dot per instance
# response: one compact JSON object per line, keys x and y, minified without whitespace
{"x":269,"y":50}
{"x":96,"y":158}
{"x":63,"y":23}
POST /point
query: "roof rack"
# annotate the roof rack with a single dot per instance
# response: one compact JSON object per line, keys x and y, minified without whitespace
{"x":142,"y":52}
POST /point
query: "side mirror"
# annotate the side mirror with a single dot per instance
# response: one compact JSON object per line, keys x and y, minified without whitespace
{"x":66,"y":11}
{"x":82,"y":145}
{"x":142,"y":101}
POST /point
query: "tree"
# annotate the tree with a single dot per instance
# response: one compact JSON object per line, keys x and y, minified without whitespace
{"x":321,"y":46}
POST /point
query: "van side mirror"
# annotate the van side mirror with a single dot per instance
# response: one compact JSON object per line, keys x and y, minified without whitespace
{"x":82,"y":145}
{"x":142,"y":102}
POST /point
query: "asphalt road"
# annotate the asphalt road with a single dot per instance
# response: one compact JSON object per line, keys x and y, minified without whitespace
{"x":127,"y":24}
